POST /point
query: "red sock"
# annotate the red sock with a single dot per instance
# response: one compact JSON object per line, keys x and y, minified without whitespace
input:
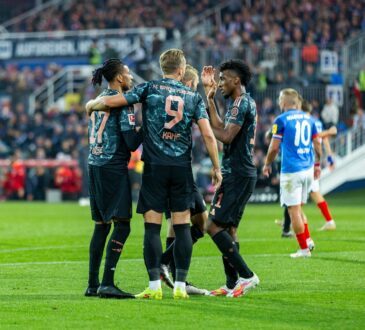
{"x":306,"y":231}
{"x":323,"y":206}
{"x":302,"y":240}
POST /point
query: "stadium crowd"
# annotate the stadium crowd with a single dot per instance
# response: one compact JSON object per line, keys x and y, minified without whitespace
{"x":265,"y":29}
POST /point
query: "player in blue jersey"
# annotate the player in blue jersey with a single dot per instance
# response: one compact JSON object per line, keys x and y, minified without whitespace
{"x":315,"y":194}
{"x":168,"y":109}
{"x":237,"y":132}
{"x":295,"y":133}
{"x":112,"y":137}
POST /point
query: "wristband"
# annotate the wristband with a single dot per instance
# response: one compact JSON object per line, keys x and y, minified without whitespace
{"x":317,"y":164}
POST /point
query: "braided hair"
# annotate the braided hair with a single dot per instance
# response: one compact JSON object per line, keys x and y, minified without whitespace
{"x":110,"y":69}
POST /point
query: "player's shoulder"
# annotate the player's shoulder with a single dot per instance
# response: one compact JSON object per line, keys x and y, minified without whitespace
{"x":244,"y":102}
{"x":108,"y":92}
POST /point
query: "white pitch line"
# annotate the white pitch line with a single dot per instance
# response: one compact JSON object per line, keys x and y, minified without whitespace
{"x":264,"y":255}
{"x":36,"y":248}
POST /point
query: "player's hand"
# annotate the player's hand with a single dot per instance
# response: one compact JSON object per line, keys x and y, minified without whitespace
{"x":331,"y":162}
{"x":266,"y":170}
{"x":212,"y":91}
{"x":95,"y":105}
{"x":317,"y":172}
{"x":217,"y":178}
{"x":207,"y":77}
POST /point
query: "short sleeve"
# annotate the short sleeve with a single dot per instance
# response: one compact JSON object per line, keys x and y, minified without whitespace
{"x":277,"y":129}
{"x":127,"y":120}
{"x":236,"y":112}
{"x":137,"y":94}
{"x":200,"y":110}
{"x":315,"y":130}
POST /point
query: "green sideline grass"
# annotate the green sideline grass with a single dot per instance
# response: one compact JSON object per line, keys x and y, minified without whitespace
{"x":44,"y":265}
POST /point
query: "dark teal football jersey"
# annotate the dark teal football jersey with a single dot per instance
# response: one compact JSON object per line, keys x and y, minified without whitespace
{"x":168,"y":110}
{"x":106,"y":143}
{"x":238,"y":155}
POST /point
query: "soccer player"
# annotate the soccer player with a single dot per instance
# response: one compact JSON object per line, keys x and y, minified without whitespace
{"x":168,"y":109}
{"x":315,"y":194}
{"x":111,"y":136}
{"x":199,"y":214}
{"x":294,"y":131}
{"x":237,"y":132}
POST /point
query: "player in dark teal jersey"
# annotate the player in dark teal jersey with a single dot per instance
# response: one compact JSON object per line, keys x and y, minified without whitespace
{"x":112,"y":136}
{"x":237,"y":132}
{"x":168,"y":108}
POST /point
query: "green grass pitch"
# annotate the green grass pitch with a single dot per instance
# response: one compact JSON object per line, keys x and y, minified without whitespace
{"x":44,"y":266}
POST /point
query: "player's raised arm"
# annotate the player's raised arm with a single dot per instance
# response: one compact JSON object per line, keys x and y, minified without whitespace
{"x":210,"y":88}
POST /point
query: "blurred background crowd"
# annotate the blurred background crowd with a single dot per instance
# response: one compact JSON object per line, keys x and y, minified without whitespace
{"x":281,"y":40}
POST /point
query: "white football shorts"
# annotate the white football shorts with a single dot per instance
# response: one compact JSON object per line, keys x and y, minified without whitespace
{"x":295,"y":187}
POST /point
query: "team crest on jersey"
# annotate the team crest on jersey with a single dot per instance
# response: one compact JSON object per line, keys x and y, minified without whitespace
{"x":131,"y":119}
{"x":234,"y":112}
{"x":274,"y":129}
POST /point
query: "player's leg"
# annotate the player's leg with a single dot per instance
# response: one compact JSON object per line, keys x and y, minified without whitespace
{"x":321,"y":203}
{"x":98,"y":239}
{"x":287,"y":224}
{"x":116,"y":204}
{"x":227,"y":206}
{"x":114,"y":249}
{"x":167,"y":257}
{"x":183,"y":247}
{"x":181,"y":201}
{"x":97,"y":244}
{"x":292,"y":194}
{"x":152,"y":203}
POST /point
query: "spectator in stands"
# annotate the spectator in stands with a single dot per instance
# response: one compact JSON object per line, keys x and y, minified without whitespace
{"x":330,"y":114}
{"x":361,"y":84}
{"x":94,"y":54}
{"x":359,"y":119}
{"x":109,"y":52}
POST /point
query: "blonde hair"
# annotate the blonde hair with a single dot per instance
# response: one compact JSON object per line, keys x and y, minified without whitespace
{"x":290,"y":96}
{"x":190,"y":74}
{"x":171,"y":60}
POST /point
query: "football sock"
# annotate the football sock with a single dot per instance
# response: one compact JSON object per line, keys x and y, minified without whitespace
{"x":323,"y":206}
{"x":169,"y":241}
{"x":302,"y":240}
{"x":287,"y":221}
{"x":196,"y":233}
{"x":154,"y":285}
{"x":114,"y":249}
{"x":227,"y":246}
{"x":231,"y":274}
{"x":306,"y":231}
{"x":183,"y":248}
{"x":181,"y":285}
{"x":152,"y":250}
{"x":168,"y":255}
{"x":96,"y":250}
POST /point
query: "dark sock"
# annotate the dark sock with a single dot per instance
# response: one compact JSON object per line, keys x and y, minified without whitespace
{"x":114,"y":249}
{"x":196,"y":233}
{"x":96,"y":250}
{"x":152,"y":250}
{"x":168,"y":255}
{"x":227,"y":246}
{"x":286,"y":225}
{"x":231,"y":274}
{"x":183,"y":248}
{"x":169,"y":241}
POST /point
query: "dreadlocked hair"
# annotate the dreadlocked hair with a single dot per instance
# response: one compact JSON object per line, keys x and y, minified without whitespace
{"x":109,"y":70}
